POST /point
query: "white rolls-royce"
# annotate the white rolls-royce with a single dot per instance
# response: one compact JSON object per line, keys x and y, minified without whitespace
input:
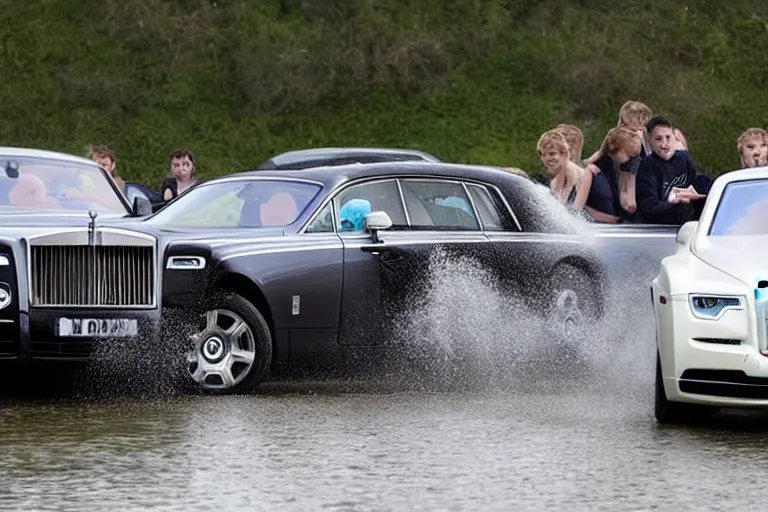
{"x":709,"y":302}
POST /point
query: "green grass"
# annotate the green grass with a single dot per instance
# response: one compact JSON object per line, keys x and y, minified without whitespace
{"x":469,"y":80}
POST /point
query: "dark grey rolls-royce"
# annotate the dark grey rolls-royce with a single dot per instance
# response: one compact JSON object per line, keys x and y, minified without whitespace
{"x":268,"y":267}
{"x":294,"y":266}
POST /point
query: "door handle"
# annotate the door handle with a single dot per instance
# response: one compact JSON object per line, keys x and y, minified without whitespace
{"x":376,"y":248}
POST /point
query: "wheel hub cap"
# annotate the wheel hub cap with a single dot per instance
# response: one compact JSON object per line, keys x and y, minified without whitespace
{"x":223,"y":352}
{"x":213,"y":349}
{"x":569,"y":315}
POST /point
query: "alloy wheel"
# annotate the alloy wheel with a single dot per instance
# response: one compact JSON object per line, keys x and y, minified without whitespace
{"x":223,"y":352}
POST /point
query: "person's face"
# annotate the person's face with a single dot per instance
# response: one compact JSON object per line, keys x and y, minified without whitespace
{"x":636,"y":123}
{"x":182,"y":168}
{"x":105,"y":162}
{"x":755,"y":152}
{"x":553,"y":159}
{"x":663,"y":142}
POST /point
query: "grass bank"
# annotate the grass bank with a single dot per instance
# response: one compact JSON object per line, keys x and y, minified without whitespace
{"x":469,"y":80}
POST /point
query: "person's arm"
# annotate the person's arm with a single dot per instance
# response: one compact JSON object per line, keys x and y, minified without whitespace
{"x":599,"y":216}
{"x":582,"y":193}
{"x":647,"y":194}
{"x":167,"y":188}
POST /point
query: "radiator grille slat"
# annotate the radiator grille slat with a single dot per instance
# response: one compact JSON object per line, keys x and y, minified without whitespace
{"x":72,"y":275}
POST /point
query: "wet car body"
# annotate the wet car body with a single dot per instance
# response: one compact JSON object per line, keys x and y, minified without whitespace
{"x":320,"y":292}
{"x":49,"y":258}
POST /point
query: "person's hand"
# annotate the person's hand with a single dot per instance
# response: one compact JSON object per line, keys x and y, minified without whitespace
{"x":687,"y":194}
{"x":595,"y":170}
{"x":679,"y":195}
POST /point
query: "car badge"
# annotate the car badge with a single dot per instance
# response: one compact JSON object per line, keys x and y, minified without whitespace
{"x":94,"y":237}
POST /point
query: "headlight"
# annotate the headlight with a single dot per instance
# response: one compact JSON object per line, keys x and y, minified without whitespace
{"x":186,"y":263}
{"x":4,"y":260}
{"x":712,"y":307}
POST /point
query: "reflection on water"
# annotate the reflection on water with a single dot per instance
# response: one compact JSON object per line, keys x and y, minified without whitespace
{"x":528,"y":441}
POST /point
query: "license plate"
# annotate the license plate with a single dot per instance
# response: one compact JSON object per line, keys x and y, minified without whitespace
{"x":98,"y":327}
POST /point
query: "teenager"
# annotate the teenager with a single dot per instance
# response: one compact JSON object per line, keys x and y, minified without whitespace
{"x":665,"y":179}
{"x":183,"y":167}
{"x":752,"y":146}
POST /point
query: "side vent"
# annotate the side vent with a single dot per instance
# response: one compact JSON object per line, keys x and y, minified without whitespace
{"x":718,"y":341}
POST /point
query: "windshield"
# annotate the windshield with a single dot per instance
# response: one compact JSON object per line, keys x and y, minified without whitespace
{"x":238,"y":204}
{"x":743,"y":209}
{"x":46,"y":184}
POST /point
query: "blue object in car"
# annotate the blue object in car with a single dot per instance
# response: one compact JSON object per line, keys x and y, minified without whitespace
{"x":455,"y":202}
{"x":353,"y":214}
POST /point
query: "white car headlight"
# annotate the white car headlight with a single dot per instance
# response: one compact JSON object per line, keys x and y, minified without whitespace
{"x":4,"y":260}
{"x":712,"y":307}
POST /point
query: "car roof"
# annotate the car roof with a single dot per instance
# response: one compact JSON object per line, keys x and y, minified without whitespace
{"x":7,"y":151}
{"x":331,"y":176}
{"x":307,"y":156}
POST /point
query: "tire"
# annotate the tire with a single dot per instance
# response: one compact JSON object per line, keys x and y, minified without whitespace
{"x":667,"y":412}
{"x":572,"y":305}
{"x":232,"y":353}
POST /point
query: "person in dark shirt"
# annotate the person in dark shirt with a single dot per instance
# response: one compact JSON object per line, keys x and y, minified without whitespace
{"x":616,"y":162}
{"x":183,"y":167}
{"x":667,"y":178}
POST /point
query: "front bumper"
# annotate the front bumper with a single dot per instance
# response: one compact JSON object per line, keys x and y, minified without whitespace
{"x":715,"y":362}
{"x":35,"y":335}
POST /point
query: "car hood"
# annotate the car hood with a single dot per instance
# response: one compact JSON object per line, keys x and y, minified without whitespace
{"x":744,"y":258}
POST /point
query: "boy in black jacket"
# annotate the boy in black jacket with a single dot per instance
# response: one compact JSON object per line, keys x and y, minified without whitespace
{"x":665,"y":179}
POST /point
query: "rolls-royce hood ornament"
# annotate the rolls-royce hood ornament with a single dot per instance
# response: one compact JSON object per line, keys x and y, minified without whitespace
{"x":93,"y":235}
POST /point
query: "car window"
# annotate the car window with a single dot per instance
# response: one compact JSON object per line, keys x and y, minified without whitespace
{"x":355,"y":203}
{"x":434,"y":204}
{"x":490,"y":216}
{"x":323,"y":222}
{"x":742,"y":209}
{"x":49,"y":184}
{"x":238,"y":204}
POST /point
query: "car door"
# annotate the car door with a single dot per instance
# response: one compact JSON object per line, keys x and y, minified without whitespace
{"x":434,"y":224}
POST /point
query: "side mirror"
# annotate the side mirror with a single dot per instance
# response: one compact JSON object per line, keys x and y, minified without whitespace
{"x":158,"y":206}
{"x":686,"y":231}
{"x":376,"y":221}
{"x":141,"y":206}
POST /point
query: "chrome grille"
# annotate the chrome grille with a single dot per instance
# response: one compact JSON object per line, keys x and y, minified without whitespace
{"x":81,"y":275}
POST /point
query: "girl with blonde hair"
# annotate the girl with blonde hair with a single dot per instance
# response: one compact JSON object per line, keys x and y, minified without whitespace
{"x":752,"y":146}
{"x":570,"y":184}
{"x":634,"y":115}
{"x":575,"y":139}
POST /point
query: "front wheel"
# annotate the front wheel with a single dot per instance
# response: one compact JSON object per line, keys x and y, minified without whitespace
{"x":231,"y":353}
{"x":573,"y":303}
